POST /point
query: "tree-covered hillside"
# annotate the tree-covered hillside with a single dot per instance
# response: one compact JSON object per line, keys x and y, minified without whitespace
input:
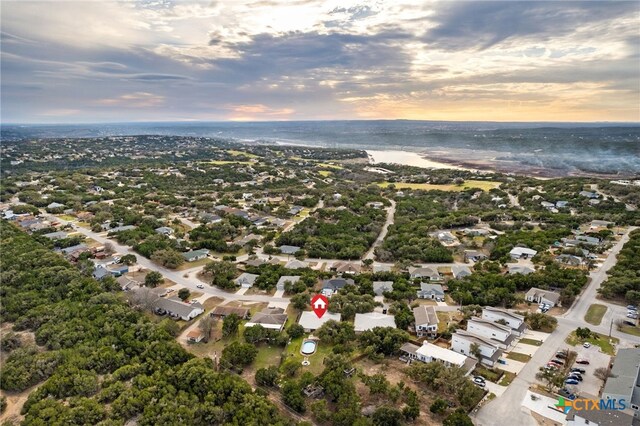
{"x":97,"y":361}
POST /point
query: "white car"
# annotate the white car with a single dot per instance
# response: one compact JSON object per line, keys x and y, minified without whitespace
{"x":586,"y":345}
{"x":200,"y":286}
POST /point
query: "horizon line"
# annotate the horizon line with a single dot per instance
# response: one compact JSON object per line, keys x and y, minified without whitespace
{"x":308,"y":120}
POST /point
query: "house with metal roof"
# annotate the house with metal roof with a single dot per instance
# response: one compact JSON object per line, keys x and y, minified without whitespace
{"x":246,"y":280}
{"x":371,"y":320}
{"x":624,"y":380}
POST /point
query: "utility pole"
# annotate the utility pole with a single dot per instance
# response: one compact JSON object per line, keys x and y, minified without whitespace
{"x":610,"y":327}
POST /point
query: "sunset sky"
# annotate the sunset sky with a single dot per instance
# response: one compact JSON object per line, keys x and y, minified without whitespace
{"x":66,"y":62}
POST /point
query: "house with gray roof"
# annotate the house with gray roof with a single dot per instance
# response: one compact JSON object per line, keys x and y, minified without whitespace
{"x":430,"y":291}
{"x":176,"y":307}
{"x":193,"y":255}
{"x":288,"y":250}
{"x":421,"y":273}
{"x":624,"y":380}
{"x":296,"y":264}
{"x":426,"y":321}
{"x":334,"y":285}
{"x":379,"y":287}
{"x":164,"y":230}
{"x":538,"y":295}
{"x":462,"y":342}
{"x":520,"y":269}
{"x":271,"y":318}
{"x":285,"y":279}
{"x":246,"y":280}
{"x":56,"y":235}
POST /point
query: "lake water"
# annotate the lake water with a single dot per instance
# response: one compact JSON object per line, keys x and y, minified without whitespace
{"x":407,"y":158}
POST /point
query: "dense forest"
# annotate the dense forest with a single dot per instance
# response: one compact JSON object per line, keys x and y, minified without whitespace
{"x":99,"y":362}
{"x":624,"y":277}
{"x":334,"y":233}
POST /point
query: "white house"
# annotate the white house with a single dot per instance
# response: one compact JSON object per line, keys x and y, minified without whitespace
{"x":515,"y":321}
{"x":537,"y":295}
{"x":429,"y":273}
{"x":522,"y":253}
{"x":426,"y":321}
{"x":497,"y":334}
{"x":462,"y":341}
{"x":372,"y":320}
{"x":310,"y":321}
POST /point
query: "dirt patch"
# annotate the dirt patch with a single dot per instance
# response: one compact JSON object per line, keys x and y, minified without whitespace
{"x":15,"y":401}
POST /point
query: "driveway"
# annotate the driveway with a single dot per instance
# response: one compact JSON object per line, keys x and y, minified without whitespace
{"x":242,"y":290}
{"x":511,"y":366}
{"x":495,"y":388}
{"x":523,"y":348}
{"x":391,"y":211}
{"x":279,"y":293}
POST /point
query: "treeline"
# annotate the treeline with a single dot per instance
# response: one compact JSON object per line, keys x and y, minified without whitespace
{"x":624,"y":278}
{"x":104,"y":363}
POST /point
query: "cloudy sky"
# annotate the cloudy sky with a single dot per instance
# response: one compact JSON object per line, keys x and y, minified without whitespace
{"x":299,"y":59}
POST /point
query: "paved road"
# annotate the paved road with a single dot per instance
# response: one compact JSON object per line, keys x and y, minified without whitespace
{"x":391,"y":211}
{"x":507,"y":409}
{"x":191,"y":281}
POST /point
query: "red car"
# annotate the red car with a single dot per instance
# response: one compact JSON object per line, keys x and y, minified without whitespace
{"x":582,"y":361}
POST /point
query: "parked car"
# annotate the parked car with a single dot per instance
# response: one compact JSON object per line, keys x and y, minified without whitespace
{"x":571,"y":382}
{"x":480,"y":383}
{"x":558,"y":361}
{"x":200,"y":286}
{"x":479,"y":379}
{"x":575,"y":376}
{"x":567,"y":394}
{"x":632,"y":307}
{"x":632,"y":324}
{"x":582,"y":361}
{"x":578,"y":370}
{"x":160,"y":311}
{"x":586,"y":345}
{"x":632,"y":315}
{"x":561,"y":355}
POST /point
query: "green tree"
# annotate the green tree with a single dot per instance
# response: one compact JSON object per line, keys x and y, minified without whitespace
{"x":301,"y":301}
{"x":457,"y":418}
{"x":153,"y":279}
{"x":184,"y":293}
{"x":583,"y":333}
{"x":129,"y":259}
{"x":292,"y":396}
{"x":222,"y":274}
{"x":439,"y":406}
{"x":267,"y":376}
{"x":238,"y":354}
{"x":295,"y":331}
{"x":387,"y":416}
{"x":230,"y":325}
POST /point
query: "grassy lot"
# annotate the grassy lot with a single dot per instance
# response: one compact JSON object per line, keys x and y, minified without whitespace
{"x":324,"y":173}
{"x":531,"y":342}
{"x":445,"y":318}
{"x":330,"y":166}
{"x":595,"y":313}
{"x":634,"y":331}
{"x":489,"y":374}
{"x":518,"y":357}
{"x":223,"y":162}
{"x":240,"y":153}
{"x":481,"y":184}
{"x":211,"y":303}
{"x":267,"y":356}
{"x":194,"y":264}
{"x":67,"y":217}
{"x":604,"y":342}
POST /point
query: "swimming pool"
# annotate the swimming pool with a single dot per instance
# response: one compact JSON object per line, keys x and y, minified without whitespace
{"x":308,"y":347}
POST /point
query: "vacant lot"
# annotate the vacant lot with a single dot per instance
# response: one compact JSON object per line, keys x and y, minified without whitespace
{"x":595,"y":313}
{"x":480,"y":184}
{"x":634,"y":331}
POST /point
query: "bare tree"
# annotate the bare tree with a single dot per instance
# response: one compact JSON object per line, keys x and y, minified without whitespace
{"x":108,"y":248}
{"x":602,"y":373}
{"x":205,"y":325}
{"x":143,"y":298}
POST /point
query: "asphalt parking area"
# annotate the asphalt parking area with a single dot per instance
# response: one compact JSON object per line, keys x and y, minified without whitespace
{"x":590,"y":386}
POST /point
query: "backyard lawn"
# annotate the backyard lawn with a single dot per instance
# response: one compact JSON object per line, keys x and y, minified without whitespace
{"x":484,"y":185}
{"x":595,"y":313}
{"x":316,"y":360}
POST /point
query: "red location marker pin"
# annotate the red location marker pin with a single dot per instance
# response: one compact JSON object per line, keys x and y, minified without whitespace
{"x":319,"y":304}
